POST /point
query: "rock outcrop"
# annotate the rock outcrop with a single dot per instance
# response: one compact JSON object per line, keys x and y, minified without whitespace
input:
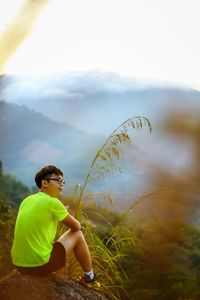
{"x":55,"y":287}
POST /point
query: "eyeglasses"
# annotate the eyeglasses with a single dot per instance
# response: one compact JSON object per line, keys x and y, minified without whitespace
{"x":59,"y":180}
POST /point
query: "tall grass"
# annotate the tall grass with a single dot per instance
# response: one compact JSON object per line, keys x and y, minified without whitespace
{"x":106,"y":253}
{"x":106,"y":159}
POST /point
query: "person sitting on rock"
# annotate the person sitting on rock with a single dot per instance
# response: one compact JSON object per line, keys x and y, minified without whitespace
{"x":34,"y":250}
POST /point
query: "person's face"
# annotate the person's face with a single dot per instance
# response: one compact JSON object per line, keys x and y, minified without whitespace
{"x":53,"y":185}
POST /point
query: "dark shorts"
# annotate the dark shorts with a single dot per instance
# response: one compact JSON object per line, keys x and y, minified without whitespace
{"x":56,"y":261}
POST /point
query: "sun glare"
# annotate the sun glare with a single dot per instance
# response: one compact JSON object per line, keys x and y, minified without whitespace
{"x":125,"y":38}
{"x":8,"y":11}
{"x":17,"y":23}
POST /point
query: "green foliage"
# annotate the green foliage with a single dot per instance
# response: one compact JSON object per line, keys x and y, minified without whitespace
{"x":105,"y":258}
{"x":1,"y":168}
{"x":105,"y":249}
{"x":6,"y":215}
{"x":7,"y":221}
{"x":13,"y":190}
{"x":102,"y":215}
{"x":164,"y":261}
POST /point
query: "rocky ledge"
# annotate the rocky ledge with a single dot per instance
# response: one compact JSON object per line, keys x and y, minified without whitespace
{"x":55,"y":287}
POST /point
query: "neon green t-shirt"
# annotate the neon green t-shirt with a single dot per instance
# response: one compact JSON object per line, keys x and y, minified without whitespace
{"x":35,"y":229}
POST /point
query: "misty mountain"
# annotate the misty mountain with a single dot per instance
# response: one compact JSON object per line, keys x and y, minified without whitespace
{"x":30,"y":140}
{"x":65,"y":118}
{"x":96,"y":102}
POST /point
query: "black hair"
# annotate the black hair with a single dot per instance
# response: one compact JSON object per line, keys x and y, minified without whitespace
{"x":45,"y":172}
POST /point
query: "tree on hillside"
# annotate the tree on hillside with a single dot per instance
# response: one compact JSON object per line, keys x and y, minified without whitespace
{"x":1,"y":168}
{"x":12,"y":190}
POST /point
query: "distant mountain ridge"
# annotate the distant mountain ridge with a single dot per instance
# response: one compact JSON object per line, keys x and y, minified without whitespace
{"x":30,"y":140}
{"x":93,"y":101}
{"x":65,"y":118}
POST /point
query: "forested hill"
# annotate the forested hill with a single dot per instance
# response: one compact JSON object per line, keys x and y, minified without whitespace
{"x":29,"y":140}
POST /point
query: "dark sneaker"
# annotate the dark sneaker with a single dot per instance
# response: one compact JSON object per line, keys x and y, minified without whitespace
{"x":87,"y":282}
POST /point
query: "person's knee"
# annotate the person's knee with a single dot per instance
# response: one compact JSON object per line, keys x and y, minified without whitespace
{"x":74,"y":235}
{"x":79,"y":235}
{"x":70,"y":239}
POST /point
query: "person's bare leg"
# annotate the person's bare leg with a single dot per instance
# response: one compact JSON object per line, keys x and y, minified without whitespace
{"x":75,"y":241}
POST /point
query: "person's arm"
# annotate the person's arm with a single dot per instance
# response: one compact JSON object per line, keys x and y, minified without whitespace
{"x":72,"y":223}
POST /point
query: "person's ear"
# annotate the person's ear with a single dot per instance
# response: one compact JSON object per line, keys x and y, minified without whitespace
{"x":44,"y":183}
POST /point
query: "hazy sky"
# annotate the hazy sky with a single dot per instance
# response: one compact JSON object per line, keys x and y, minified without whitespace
{"x":157,"y":39}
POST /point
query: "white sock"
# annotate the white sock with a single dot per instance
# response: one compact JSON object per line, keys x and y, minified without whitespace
{"x":90,"y":274}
